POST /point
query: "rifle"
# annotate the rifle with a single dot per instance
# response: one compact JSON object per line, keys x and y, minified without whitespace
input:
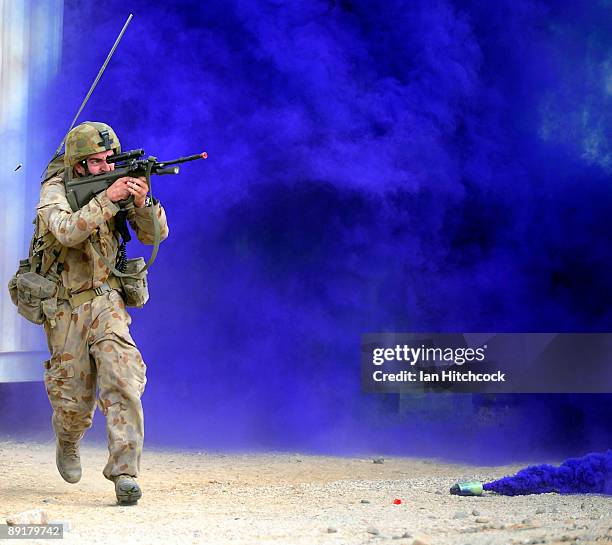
{"x":79,"y":191}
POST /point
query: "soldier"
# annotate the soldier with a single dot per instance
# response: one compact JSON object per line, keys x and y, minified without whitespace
{"x":90,"y":343}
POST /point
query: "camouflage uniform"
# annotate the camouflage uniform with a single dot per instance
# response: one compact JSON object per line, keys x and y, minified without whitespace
{"x":91,"y":346}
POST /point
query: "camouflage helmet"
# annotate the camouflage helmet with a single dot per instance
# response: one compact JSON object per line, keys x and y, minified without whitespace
{"x":87,"y":139}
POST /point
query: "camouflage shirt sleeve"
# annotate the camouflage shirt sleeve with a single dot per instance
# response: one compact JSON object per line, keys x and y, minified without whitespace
{"x":71,"y":228}
{"x":142,"y":223}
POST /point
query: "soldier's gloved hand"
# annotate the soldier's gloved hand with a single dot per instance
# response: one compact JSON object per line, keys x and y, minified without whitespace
{"x":118,"y":191}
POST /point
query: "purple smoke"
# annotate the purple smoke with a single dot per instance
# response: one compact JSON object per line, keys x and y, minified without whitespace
{"x":374,"y":166}
{"x":590,"y":474}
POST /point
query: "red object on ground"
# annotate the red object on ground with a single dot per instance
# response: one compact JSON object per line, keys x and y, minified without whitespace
{"x":397,"y":502}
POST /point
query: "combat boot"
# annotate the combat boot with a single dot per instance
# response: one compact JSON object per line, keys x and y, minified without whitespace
{"x":68,"y":460}
{"x":127,"y":490}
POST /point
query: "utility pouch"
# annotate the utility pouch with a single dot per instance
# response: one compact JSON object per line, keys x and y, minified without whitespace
{"x":135,"y":287}
{"x":24,"y":266}
{"x":36,"y":297}
{"x":34,"y":294}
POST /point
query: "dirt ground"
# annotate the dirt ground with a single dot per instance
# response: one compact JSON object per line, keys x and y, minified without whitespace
{"x":213,"y":498}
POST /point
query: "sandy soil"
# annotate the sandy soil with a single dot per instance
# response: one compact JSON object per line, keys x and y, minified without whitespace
{"x":290,"y":499}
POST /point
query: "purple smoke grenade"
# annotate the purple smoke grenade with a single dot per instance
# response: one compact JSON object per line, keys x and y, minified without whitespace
{"x":590,"y":474}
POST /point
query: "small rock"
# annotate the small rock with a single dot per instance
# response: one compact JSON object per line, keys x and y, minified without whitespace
{"x":406,"y":534}
{"x":527,"y":522}
{"x":378,"y":460}
{"x":331,"y":530}
{"x":372,"y":530}
{"x":420,"y":541}
{"x":439,"y":493}
{"x":475,"y":512}
{"x":48,"y":500}
{"x":539,"y":511}
{"x":32,"y":516}
{"x":365,"y":501}
{"x":460,"y":515}
{"x":482,"y":520}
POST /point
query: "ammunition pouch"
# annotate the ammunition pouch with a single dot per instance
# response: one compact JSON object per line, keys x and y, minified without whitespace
{"x":24,"y":266}
{"x":34,"y":295}
{"x":34,"y":288}
{"x":135,"y":287}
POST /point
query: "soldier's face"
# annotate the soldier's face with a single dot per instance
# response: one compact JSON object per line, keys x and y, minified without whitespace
{"x":96,"y":164}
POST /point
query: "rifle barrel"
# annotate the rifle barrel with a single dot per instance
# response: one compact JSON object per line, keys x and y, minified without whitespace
{"x":195,"y":157}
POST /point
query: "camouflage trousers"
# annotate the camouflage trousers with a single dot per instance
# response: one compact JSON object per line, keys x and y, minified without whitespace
{"x":92,"y":352}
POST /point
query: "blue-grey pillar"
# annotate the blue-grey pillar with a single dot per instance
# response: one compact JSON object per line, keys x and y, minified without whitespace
{"x":30,"y":47}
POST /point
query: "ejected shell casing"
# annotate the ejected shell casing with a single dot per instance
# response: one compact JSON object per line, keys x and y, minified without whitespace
{"x":467,"y":488}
